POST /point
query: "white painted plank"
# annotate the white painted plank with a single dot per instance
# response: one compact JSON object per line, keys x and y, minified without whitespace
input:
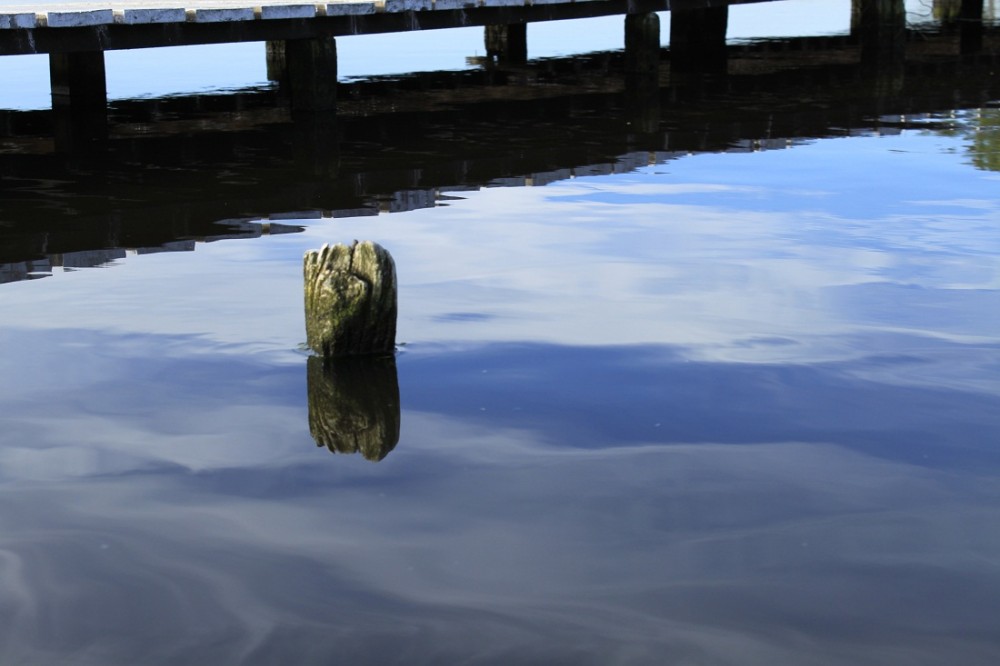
{"x":350,"y":8}
{"x":19,"y":20}
{"x":152,"y":15}
{"x":268,"y":12}
{"x":393,"y":6}
{"x":76,"y":19}
{"x":220,"y":14}
{"x":455,"y":4}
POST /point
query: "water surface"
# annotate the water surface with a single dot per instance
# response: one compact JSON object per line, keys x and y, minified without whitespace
{"x":719,"y":388}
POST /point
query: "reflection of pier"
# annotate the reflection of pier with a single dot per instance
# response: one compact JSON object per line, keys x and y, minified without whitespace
{"x":501,"y":125}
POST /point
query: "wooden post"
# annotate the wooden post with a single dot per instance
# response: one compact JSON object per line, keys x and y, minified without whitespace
{"x":642,"y":42}
{"x":970,"y":33}
{"x":354,"y":405}
{"x":507,"y":43}
{"x":881,"y":30}
{"x":642,"y":71}
{"x":79,"y":99}
{"x":277,"y":65}
{"x":317,"y":144}
{"x":311,"y":73}
{"x":698,"y":40}
{"x":350,"y":300}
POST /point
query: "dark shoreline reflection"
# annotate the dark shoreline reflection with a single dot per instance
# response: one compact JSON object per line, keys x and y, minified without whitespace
{"x":177,"y":168}
{"x":354,"y":405}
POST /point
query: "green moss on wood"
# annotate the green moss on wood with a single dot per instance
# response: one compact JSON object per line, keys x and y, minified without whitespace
{"x":350,"y":296}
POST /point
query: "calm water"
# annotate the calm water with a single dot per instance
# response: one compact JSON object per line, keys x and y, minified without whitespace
{"x":718,"y":388}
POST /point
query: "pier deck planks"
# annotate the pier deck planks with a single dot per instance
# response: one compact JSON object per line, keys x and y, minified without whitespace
{"x":138,"y":12}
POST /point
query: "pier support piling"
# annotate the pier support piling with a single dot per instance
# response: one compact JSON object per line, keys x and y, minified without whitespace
{"x":642,"y":43}
{"x":79,"y":99}
{"x":277,"y":66}
{"x":698,"y":40}
{"x":309,"y":72}
{"x":880,"y":26}
{"x":970,"y":31}
{"x":642,"y":71}
{"x":507,"y":43}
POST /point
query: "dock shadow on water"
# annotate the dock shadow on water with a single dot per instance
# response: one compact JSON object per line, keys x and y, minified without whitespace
{"x":240,"y":164}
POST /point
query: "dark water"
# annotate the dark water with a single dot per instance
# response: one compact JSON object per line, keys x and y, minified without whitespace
{"x":702,"y":377}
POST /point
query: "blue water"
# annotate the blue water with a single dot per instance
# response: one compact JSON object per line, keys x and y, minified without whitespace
{"x":726,"y":408}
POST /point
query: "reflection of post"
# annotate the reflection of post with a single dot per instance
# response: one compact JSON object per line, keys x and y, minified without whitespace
{"x":698,"y":40}
{"x":79,"y":99}
{"x":350,"y":300}
{"x":354,"y":405}
{"x":642,"y":71}
{"x":317,"y":144}
{"x":507,"y":43}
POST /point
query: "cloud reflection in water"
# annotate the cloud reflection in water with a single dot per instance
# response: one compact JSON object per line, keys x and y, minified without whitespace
{"x":679,"y":426}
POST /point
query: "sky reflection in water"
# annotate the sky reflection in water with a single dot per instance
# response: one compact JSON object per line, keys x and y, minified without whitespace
{"x":728,"y":409}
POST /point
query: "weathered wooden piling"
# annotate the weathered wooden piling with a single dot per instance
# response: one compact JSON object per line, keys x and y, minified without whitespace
{"x":881,"y":28}
{"x":642,"y":43}
{"x":642,"y":71}
{"x":310,"y":75}
{"x":354,"y":405}
{"x":350,"y":295}
{"x":79,"y":99}
{"x":970,"y":27}
{"x":698,"y":40}
{"x":507,"y":43}
{"x":277,"y":64}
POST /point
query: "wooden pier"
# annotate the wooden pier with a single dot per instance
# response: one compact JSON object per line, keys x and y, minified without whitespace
{"x":301,"y":46}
